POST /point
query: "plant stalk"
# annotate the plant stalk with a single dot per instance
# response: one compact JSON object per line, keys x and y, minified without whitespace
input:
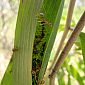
{"x":68,"y":45}
{"x":67,"y":27}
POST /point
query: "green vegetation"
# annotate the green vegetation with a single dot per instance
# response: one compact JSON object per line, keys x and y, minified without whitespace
{"x":34,"y":41}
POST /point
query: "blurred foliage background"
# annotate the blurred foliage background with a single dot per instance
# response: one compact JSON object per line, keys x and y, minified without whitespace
{"x":73,"y":70}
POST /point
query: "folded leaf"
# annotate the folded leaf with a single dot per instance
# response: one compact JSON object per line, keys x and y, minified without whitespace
{"x":53,"y":10}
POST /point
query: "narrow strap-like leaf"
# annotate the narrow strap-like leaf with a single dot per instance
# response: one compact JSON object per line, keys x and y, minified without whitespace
{"x":57,"y":5}
{"x":23,"y":44}
{"x":82,"y":38}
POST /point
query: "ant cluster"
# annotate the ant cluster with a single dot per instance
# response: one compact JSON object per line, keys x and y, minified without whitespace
{"x":39,"y":47}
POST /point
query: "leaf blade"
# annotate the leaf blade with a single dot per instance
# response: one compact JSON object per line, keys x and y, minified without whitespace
{"x":82,"y":39}
{"x":52,"y":38}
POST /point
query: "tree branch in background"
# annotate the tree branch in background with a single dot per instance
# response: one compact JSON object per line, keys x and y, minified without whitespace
{"x":69,"y":44}
{"x":67,"y":27}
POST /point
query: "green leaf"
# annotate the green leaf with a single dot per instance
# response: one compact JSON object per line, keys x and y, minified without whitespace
{"x":73,"y":71}
{"x":23,"y":44}
{"x":46,"y":31}
{"x":82,"y":38}
{"x":7,"y":79}
{"x":60,"y":77}
{"x":69,"y":80}
{"x":53,"y":10}
{"x":61,"y":81}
